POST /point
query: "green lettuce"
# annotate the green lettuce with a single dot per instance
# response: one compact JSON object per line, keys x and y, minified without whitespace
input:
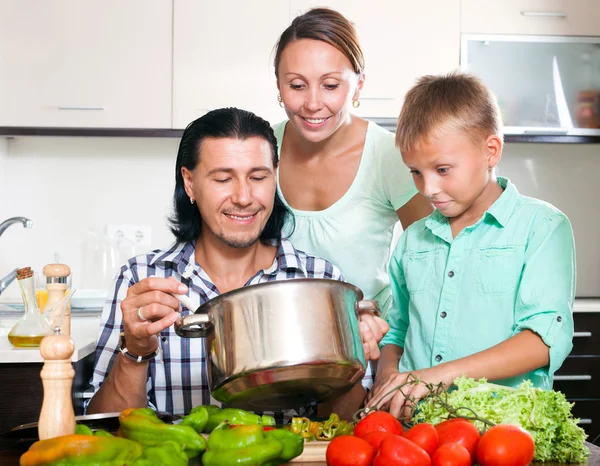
{"x":546,"y":415}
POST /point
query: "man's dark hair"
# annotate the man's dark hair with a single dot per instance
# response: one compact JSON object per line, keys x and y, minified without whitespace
{"x":233,"y":123}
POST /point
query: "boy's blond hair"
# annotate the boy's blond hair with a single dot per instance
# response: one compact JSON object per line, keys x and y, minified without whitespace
{"x":454,"y":102}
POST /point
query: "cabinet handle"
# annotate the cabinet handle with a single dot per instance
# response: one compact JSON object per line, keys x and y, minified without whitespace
{"x":546,"y":14}
{"x":80,"y":108}
{"x":549,"y":131}
{"x":585,"y":421}
{"x":582,"y":334}
{"x":572,"y":377}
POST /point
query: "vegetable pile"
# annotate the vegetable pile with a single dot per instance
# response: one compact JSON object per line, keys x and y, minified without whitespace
{"x":236,"y":437}
{"x":546,"y":415}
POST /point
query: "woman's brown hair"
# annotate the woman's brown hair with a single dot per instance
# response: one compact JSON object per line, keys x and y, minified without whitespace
{"x":325,"y":25}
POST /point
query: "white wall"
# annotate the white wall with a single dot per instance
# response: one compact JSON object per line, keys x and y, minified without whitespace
{"x":68,"y":185}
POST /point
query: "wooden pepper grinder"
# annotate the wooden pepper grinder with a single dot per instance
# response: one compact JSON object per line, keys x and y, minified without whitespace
{"x":57,"y":416}
{"x":56,"y":284}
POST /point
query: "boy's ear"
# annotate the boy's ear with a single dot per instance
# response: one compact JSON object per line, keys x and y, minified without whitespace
{"x":493,"y":147}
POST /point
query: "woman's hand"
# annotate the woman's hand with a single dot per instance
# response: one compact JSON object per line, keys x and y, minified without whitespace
{"x":396,"y":401}
{"x":372,"y":329}
{"x":148,"y":309}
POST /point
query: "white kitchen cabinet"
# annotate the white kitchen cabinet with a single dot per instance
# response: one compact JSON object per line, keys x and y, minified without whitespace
{"x":401,"y":40}
{"x":223,"y":56}
{"x":544,"y":17}
{"x":93,"y":63}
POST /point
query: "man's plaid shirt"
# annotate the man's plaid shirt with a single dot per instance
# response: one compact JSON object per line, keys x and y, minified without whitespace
{"x":178,"y":377}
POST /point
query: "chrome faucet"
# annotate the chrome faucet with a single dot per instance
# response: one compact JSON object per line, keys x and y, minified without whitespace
{"x":6,"y":223}
{"x":27,"y":223}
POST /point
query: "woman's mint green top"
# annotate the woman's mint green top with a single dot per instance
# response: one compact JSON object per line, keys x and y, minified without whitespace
{"x":512,"y":270}
{"x":355,"y":233}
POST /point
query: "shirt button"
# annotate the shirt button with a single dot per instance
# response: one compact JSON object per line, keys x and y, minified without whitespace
{"x":451,"y":273}
{"x":559,"y":319}
{"x":438,"y":358}
{"x":443,"y":314}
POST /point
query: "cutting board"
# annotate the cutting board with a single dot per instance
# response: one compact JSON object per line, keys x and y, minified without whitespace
{"x":314,"y":452}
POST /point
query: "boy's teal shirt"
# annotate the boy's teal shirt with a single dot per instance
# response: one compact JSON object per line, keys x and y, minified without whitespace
{"x":512,"y":270}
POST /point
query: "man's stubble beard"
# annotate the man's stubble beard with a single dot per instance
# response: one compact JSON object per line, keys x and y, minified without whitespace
{"x":238,"y":243}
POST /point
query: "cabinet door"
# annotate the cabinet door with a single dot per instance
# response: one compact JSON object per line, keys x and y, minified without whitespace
{"x":401,"y":40}
{"x":93,"y":63}
{"x":223,"y":56}
{"x":560,"y":17}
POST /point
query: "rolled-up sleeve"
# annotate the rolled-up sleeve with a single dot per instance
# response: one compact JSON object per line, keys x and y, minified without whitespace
{"x":546,"y":294}
{"x":397,"y":316}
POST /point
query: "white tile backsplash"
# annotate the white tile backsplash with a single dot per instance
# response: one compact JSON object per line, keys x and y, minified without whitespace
{"x":68,"y":185}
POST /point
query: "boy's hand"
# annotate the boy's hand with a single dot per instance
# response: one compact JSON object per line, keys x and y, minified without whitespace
{"x":401,"y":401}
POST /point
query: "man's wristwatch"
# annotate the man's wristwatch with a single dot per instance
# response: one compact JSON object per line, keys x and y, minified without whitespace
{"x":125,"y":352}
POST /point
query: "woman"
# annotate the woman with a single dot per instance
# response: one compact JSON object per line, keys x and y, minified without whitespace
{"x":341,"y":176}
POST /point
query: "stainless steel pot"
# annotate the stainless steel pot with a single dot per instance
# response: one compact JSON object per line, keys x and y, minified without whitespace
{"x":282,"y":344}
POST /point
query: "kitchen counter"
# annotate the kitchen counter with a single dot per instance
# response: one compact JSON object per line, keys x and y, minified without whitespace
{"x":11,"y":458}
{"x":20,"y":368}
{"x":84,"y":332}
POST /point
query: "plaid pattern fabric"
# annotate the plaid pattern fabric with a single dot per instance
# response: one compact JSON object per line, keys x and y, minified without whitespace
{"x":177,"y":377}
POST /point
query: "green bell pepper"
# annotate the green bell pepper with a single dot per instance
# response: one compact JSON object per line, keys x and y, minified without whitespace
{"x":167,"y":454}
{"x":238,"y":417}
{"x":293,"y":444}
{"x":197,"y":418}
{"x":82,"y":429}
{"x":81,"y":450}
{"x":242,"y":445}
{"x":143,"y":426}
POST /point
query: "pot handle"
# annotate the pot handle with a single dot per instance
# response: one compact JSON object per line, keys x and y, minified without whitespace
{"x":368,"y":305}
{"x":194,"y":326}
{"x":198,"y":325}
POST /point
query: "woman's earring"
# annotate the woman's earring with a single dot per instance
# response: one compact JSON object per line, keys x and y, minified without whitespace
{"x":280,"y":100}
{"x":192,"y":200}
{"x":356,"y":103}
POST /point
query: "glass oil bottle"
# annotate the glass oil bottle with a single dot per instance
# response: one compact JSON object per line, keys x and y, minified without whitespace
{"x":33,"y":326}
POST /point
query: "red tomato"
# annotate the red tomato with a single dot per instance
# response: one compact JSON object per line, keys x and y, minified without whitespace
{"x":376,"y":437}
{"x":423,"y":435}
{"x":451,"y":454}
{"x":348,"y":450}
{"x":398,"y":451}
{"x":505,"y":445}
{"x":378,"y":421}
{"x":459,"y":431}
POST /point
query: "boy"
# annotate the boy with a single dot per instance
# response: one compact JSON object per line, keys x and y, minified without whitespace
{"x":485,"y":285}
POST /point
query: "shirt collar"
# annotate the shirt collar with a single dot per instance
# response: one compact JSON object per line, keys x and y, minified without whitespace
{"x":500,"y":210}
{"x":287,"y":258}
{"x":503,"y":208}
{"x":180,"y":254}
{"x":183,"y":254}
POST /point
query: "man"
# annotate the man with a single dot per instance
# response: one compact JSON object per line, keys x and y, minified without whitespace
{"x":227,"y":222}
